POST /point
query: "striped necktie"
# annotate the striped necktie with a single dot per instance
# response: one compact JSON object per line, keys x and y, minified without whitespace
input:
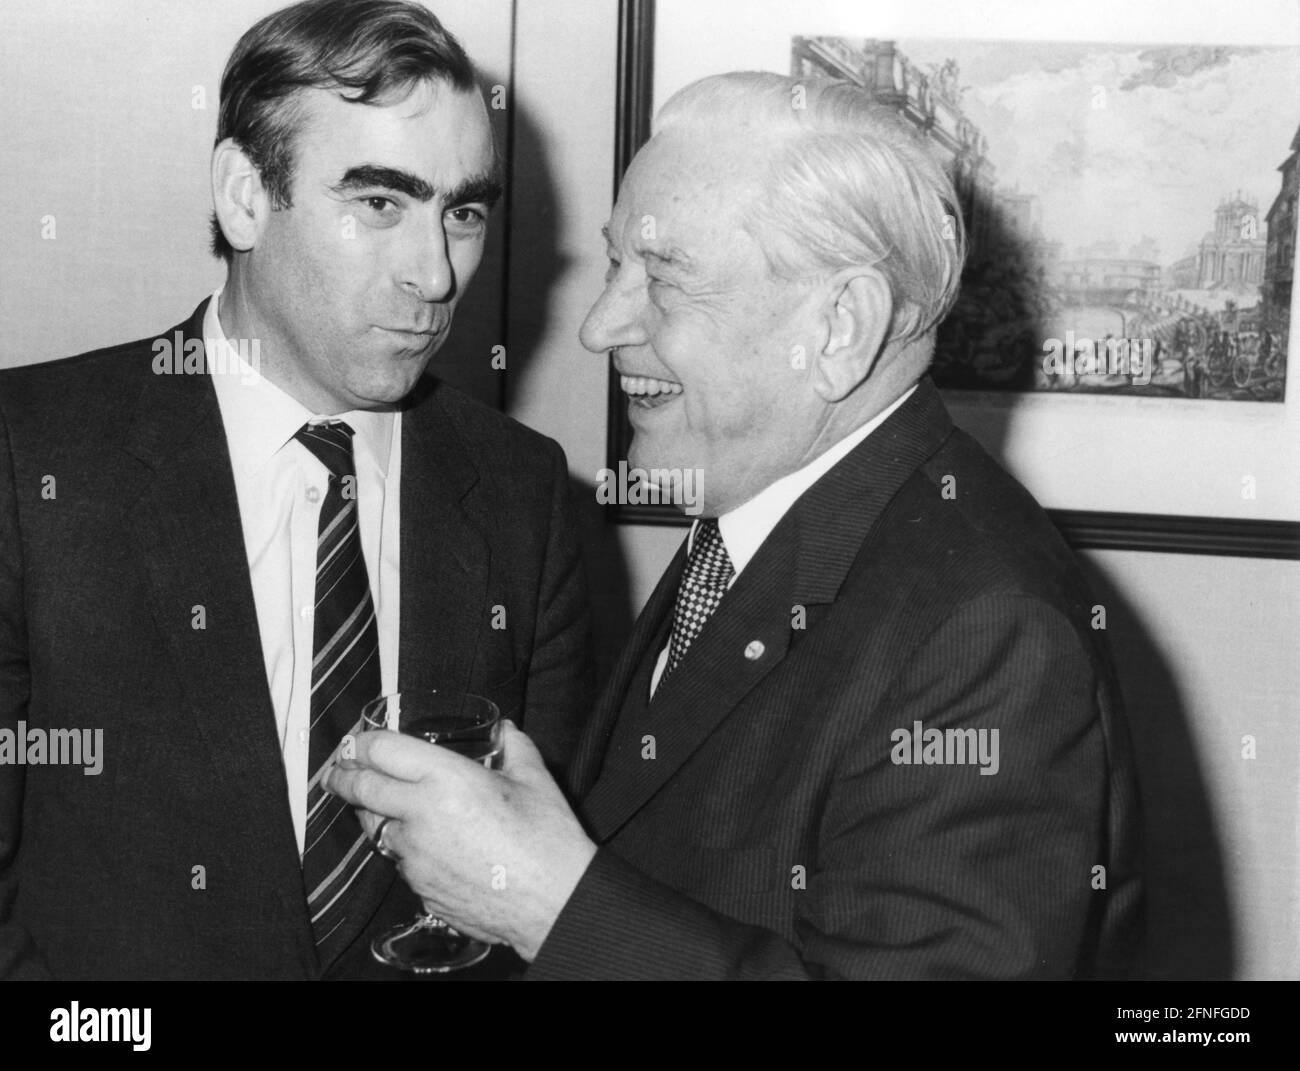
{"x":344,"y":677}
{"x":708,"y":572}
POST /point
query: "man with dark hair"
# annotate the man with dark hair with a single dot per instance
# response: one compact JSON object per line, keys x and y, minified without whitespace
{"x":386,"y":50}
{"x":217,"y":544}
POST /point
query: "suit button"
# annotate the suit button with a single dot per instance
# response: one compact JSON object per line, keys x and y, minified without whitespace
{"x":754,"y":650}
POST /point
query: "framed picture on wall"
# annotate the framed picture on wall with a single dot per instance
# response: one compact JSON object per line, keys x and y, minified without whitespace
{"x":1127,"y":313}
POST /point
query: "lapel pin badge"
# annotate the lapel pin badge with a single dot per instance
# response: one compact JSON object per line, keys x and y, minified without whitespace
{"x":754,"y":650}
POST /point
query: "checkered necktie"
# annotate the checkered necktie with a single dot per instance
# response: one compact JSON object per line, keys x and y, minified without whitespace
{"x":344,"y":677}
{"x":708,"y":572}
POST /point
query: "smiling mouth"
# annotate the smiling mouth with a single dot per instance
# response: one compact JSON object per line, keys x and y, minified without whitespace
{"x":648,"y":392}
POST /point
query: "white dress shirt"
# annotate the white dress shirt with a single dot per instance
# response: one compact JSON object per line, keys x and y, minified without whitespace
{"x":281,"y":486}
{"x":744,"y":528}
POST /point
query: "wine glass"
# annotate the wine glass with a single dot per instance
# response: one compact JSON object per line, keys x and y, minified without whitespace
{"x":468,"y":725}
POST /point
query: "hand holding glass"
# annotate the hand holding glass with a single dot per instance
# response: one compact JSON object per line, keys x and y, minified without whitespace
{"x":468,"y":725}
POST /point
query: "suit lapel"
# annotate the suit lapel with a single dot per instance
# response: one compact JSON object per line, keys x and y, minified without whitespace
{"x":589,"y":755}
{"x":803,"y":562}
{"x":688,"y":706}
{"x":187,"y":537}
{"x":445,"y":558}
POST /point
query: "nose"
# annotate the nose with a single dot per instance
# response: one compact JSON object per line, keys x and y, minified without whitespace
{"x":425,"y":268}
{"x":618,"y":316}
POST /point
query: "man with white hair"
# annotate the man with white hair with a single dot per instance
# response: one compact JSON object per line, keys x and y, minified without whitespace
{"x":864,"y":727}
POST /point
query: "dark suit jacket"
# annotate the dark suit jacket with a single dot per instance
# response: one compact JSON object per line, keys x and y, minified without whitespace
{"x":769,"y":834}
{"x":98,"y":588}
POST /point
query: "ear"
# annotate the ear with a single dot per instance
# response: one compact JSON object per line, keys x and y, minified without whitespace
{"x":857,"y":316}
{"x":238,"y":198}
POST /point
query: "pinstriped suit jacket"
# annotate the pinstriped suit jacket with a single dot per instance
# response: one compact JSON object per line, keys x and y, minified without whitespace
{"x":776,"y":833}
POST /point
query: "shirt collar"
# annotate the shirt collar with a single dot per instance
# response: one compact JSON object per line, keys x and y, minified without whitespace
{"x":260,"y":418}
{"x":745,"y":528}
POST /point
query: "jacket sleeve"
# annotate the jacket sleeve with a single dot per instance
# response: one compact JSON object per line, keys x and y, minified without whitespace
{"x":920,"y":871}
{"x":560,"y":686}
{"x":19,"y":958}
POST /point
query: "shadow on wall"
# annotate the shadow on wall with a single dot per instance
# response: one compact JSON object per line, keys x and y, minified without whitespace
{"x":1005,"y":304}
{"x":466,"y":359}
{"x":536,"y":262}
{"x":992,"y":288}
{"x":994,"y":335}
{"x":1189,"y":926}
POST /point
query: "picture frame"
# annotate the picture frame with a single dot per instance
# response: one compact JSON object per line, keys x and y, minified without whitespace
{"x":1101,"y":505}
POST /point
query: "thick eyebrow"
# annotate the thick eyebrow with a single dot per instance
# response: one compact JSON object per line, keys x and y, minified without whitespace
{"x":480,"y":188}
{"x":374,"y":177}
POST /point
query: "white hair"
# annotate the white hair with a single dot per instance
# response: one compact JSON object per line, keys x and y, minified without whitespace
{"x":850,"y":185}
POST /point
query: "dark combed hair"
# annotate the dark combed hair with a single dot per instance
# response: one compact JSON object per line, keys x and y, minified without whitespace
{"x":370,"y":51}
